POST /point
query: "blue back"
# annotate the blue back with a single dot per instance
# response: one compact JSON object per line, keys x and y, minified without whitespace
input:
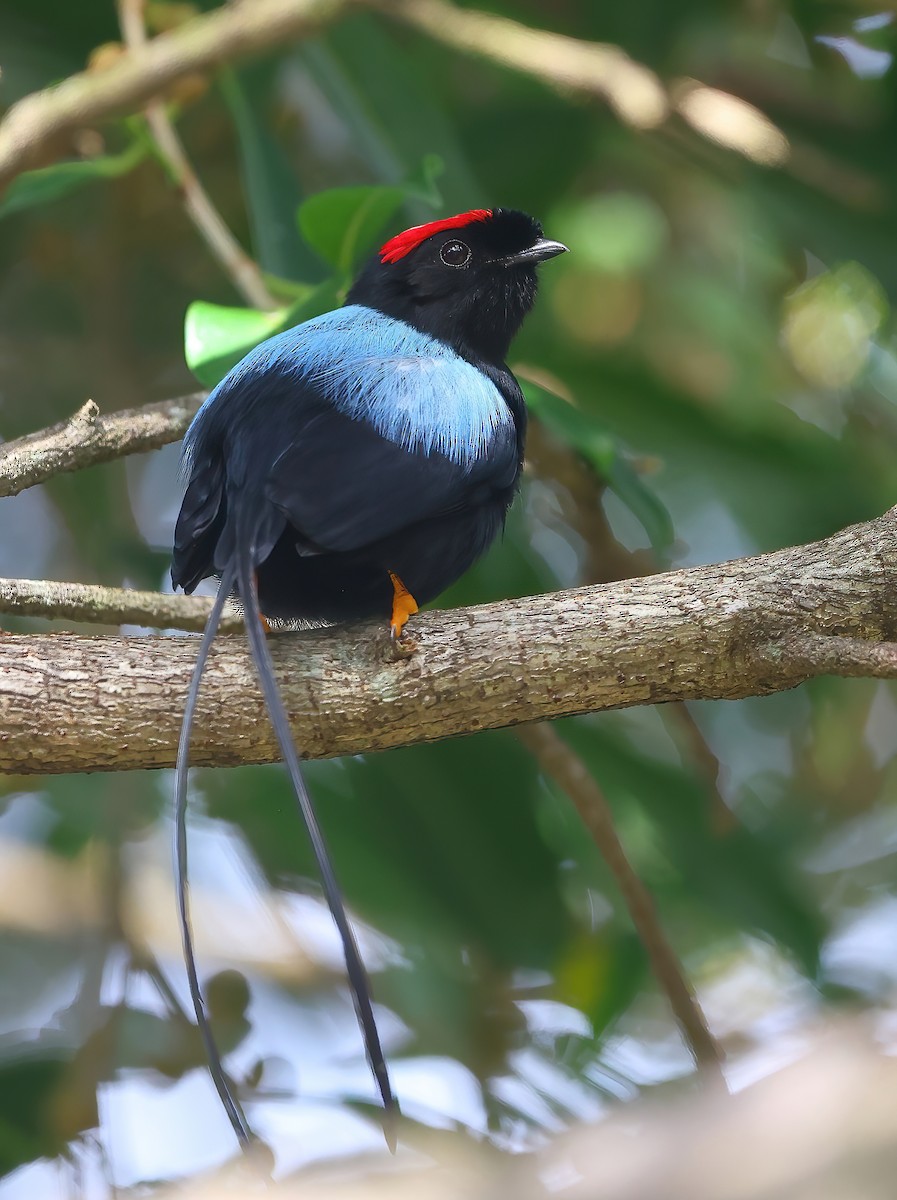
{"x":412,"y":389}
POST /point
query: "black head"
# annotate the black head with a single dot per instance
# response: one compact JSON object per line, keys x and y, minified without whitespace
{"x":469,"y":280}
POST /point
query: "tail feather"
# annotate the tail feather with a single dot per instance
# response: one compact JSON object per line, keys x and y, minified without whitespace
{"x":232,"y":1106}
{"x":357,"y":976}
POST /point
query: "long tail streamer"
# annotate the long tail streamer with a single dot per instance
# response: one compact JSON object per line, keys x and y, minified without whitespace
{"x":232,"y":1106}
{"x":358,"y":980}
{"x":357,"y":976}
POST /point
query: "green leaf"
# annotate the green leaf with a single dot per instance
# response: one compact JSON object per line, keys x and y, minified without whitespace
{"x":591,"y":439}
{"x":46,"y":184}
{"x":217,"y":336}
{"x":597,"y":445}
{"x":423,"y":186}
{"x":644,"y":504}
{"x":342,"y":223}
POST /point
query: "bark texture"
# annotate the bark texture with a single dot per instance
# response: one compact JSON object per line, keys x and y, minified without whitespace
{"x":748,"y":627}
{"x":94,"y":604}
{"x":88,"y":438}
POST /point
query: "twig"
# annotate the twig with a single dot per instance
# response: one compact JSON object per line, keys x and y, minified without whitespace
{"x":681,"y":721}
{"x":88,"y":438}
{"x":94,"y":604}
{"x":229,"y":33}
{"x":631,"y":89}
{"x":243,"y":272}
{"x":560,"y":763}
{"x":608,"y":560}
{"x":70,"y":703}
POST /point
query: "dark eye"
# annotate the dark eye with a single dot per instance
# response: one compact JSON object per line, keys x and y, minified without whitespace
{"x":455,"y":254}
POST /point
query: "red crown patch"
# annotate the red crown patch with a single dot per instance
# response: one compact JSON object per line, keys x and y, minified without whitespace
{"x":404,"y":243}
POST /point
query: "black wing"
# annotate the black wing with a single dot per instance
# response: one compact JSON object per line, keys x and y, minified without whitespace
{"x":283,"y":452}
{"x":342,"y":485}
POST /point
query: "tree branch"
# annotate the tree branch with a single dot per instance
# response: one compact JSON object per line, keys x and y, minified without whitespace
{"x":849,"y":657}
{"x":88,"y":438}
{"x":110,"y":606}
{"x":238,"y":30}
{"x":231,"y":32}
{"x":632,"y":90}
{"x":748,"y":627}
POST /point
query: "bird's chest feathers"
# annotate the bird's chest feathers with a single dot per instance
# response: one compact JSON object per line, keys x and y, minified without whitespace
{"x":414,"y":390}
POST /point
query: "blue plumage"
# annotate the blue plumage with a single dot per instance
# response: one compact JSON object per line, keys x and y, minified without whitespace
{"x":412,"y":389}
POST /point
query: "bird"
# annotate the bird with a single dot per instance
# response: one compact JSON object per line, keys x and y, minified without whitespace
{"x":355,"y":466}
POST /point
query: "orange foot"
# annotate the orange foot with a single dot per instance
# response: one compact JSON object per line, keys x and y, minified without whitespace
{"x":403,"y":606}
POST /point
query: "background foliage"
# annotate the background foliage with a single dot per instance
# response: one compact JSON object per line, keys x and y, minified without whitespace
{"x":713,"y":373}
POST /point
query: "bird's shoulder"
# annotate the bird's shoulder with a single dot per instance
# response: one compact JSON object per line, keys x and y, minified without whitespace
{"x":409,"y":387}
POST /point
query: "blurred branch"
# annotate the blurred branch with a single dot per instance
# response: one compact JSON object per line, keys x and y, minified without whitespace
{"x":731,"y":122}
{"x":824,"y":1128}
{"x":243,"y":272}
{"x":109,"y":606}
{"x":237,"y":30}
{"x":632,"y":90}
{"x":579,"y":491}
{"x":560,"y":763}
{"x":88,"y":438}
{"x":230,"y":32}
{"x":684,"y":729}
{"x":744,"y":628}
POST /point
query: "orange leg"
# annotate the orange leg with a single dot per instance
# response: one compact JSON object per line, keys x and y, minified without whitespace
{"x":403,"y":606}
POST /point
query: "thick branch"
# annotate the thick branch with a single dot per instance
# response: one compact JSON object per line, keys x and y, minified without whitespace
{"x":71,"y":703}
{"x":88,"y":438}
{"x":850,"y":657}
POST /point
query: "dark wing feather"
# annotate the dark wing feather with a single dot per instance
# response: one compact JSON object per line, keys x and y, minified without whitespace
{"x":199,"y":525}
{"x":343,"y":486}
